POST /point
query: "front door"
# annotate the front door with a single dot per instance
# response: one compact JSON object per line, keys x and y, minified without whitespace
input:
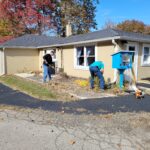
{"x":133,"y":47}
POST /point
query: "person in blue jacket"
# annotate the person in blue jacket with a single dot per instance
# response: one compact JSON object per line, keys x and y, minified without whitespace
{"x":97,"y":69}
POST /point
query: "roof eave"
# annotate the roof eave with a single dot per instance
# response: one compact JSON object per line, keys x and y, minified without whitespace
{"x":135,"y":39}
{"x":82,"y":42}
{"x":23,"y":47}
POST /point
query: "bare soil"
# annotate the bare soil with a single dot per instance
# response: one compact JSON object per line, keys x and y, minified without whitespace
{"x":71,"y":88}
{"x":66,"y":85}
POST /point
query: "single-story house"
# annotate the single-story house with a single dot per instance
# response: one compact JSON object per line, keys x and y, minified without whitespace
{"x":24,"y":53}
{"x":75,"y":53}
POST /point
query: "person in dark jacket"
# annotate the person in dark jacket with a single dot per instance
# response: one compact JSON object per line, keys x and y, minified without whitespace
{"x":47,"y":62}
{"x":97,"y":69}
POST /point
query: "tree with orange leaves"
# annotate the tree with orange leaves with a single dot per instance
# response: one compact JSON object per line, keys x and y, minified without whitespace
{"x":27,"y":16}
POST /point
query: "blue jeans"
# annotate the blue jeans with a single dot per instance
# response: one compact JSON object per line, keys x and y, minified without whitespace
{"x":95,"y":71}
{"x":46,"y":73}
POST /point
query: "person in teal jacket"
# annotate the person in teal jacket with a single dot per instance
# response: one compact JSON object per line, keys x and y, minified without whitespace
{"x":97,"y":69}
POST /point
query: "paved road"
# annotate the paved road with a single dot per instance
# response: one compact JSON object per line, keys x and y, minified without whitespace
{"x":23,"y":128}
{"x":107,"y":105}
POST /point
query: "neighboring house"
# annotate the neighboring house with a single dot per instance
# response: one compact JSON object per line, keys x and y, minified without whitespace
{"x":75,"y":53}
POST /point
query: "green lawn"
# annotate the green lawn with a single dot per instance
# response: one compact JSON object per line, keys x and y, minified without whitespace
{"x":29,"y":87}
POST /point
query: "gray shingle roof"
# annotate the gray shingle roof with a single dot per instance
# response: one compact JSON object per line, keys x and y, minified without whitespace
{"x":43,"y":41}
{"x":132,"y":35}
{"x":108,"y":33}
{"x":31,"y":40}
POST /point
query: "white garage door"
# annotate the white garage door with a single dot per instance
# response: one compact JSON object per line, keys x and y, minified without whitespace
{"x":1,"y":62}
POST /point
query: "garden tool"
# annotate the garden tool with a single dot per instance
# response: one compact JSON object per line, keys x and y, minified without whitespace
{"x":138,"y":93}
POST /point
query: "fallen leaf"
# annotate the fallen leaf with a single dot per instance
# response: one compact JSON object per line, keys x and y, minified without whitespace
{"x":63,"y":112}
{"x":72,"y":142}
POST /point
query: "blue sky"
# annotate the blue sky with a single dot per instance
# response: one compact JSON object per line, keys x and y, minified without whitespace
{"x":120,"y":10}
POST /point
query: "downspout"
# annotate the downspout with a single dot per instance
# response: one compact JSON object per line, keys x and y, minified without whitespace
{"x":117,"y":48}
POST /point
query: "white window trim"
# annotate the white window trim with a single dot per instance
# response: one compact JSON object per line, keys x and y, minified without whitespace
{"x":75,"y":60}
{"x":142,"y":63}
{"x":136,"y":54}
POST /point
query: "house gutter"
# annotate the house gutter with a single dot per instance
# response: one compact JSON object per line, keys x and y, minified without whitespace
{"x":97,"y":40}
{"x":20,"y":47}
{"x":81,"y":42}
{"x":135,"y":39}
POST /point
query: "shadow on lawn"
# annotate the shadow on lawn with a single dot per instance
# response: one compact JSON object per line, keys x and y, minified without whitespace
{"x":107,"y":105}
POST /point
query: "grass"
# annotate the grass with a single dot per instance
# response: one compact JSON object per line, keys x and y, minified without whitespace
{"x":31,"y":88}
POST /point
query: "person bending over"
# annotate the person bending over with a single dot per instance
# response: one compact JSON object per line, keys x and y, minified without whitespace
{"x":97,"y":69}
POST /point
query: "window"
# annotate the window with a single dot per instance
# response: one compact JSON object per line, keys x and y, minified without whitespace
{"x":85,"y":55}
{"x":132,"y":48}
{"x":90,"y":53}
{"x":146,"y":55}
{"x":80,"y":56}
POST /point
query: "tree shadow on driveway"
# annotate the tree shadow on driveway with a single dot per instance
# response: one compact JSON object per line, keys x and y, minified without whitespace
{"x":105,"y":105}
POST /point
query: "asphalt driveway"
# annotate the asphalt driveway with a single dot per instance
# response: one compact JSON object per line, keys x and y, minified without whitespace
{"x":105,"y":105}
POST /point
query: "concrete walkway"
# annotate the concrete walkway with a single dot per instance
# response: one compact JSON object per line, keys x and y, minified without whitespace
{"x":146,"y":85}
{"x":105,"y":105}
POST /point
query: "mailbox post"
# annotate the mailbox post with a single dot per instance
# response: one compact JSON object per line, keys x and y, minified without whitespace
{"x":122,"y":60}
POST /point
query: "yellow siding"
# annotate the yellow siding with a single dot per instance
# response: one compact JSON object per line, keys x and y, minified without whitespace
{"x":104,"y":52}
{"x":68,"y":62}
{"x":21,"y":60}
{"x":41,"y":59}
{"x":143,"y":71}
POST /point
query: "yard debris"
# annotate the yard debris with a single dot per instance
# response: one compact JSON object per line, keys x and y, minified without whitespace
{"x":72,"y":142}
{"x":139,"y":94}
{"x":82,"y":83}
{"x":62,"y":111}
{"x":69,"y":89}
{"x":108,"y":116}
{"x":119,"y":145}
